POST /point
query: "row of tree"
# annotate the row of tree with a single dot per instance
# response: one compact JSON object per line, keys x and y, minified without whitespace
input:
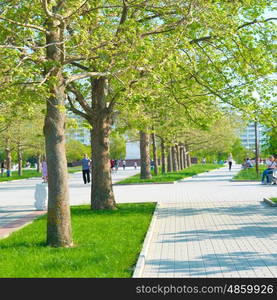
{"x":166,"y":66}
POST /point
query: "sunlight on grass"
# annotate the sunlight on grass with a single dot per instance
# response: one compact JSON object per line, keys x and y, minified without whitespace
{"x":33,"y":173}
{"x":250,"y":174}
{"x":106,"y":244}
{"x":172,"y":176}
{"x":273,"y":199}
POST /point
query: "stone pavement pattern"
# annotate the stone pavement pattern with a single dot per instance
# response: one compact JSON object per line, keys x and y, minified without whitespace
{"x":211,"y":227}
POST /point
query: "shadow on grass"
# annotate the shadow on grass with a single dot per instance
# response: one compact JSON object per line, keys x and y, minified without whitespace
{"x":122,"y":209}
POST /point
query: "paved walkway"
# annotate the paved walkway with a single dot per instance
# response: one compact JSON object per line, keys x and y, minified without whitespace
{"x":211,"y":227}
{"x":17,"y":199}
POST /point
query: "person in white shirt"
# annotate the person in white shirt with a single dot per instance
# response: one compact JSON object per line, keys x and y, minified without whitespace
{"x":271,"y":165}
{"x":230,"y":161}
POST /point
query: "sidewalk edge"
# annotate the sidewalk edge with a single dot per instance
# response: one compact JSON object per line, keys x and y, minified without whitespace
{"x":142,"y":256}
{"x":268,"y":201}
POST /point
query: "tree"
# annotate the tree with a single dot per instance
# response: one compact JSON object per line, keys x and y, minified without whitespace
{"x":75,"y":150}
{"x":117,"y":146}
{"x":115,"y":44}
{"x":269,"y":146}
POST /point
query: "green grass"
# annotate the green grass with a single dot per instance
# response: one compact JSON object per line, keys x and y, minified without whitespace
{"x":171,"y":176}
{"x":33,"y":173}
{"x":74,"y":169}
{"x":15,"y":176}
{"x":250,"y":174}
{"x":107,"y":244}
{"x":273,"y":199}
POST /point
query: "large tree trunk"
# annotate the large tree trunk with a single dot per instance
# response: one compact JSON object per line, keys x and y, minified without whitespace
{"x":58,"y":218}
{"x":174,"y":158}
{"x":8,"y":161}
{"x":188,"y":160}
{"x":144,"y":156}
{"x":169,"y":159}
{"x":163,"y":156}
{"x":155,"y":158}
{"x":20,"y":173}
{"x":181,"y":154}
{"x":178,"y":157}
{"x":102,"y":196}
{"x":185,"y":158}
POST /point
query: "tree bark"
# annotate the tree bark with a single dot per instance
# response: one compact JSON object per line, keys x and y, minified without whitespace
{"x":185,"y":158}
{"x":102,"y":196}
{"x":169,"y":159}
{"x":174,"y":158}
{"x":155,"y":153}
{"x":188,"y":160}
{"x":144,"y":156}
{"x":20,"y":173}
{"x":163,"y":156}
{"x":181,"y":157}
{"x":178,"y":157}
{"x":58,"y":218}
{"x":8,"y":161}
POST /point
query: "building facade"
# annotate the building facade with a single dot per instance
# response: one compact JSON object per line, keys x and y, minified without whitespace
{"x":248,"y":136}
{"x":79,"y":131}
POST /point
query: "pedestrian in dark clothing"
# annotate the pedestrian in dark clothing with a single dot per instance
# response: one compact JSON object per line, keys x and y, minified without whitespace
{"x":86,"y":168}
{"x":112,"y":164}
{"x":230,"y":161}
{"x":116,"y":164}
{"x":2,"y":168}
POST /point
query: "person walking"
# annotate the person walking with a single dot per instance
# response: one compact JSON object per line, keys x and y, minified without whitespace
{"x":86,"y":162}
{"x":44,"y":170}
{"x":112,"y":165}
{"x":116,"y":164}
{"x":230,"y":161}
{"x":124,"y":164}
{"x":135,"y":165}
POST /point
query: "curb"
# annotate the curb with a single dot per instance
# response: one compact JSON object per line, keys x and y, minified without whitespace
{"x":142,"y":256}
{"x":268,"y":201}
{"x":142,"y":183}
{"x":171,"y":182}
{"x":18,"y":180}
{"x":244,"y":180}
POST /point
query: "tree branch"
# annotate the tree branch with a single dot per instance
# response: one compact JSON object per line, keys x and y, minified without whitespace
{"x":85,"y":75}
{"x":76,"y":10}
{"x":80,"y":99}
{"x":25,"y":24}
{"x":75,"y":110}
{"x":49,"y":13}
{"x":208,"y":37}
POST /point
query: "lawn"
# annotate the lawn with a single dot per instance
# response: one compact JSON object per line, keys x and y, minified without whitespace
{"x":33,"y":173}
{"x":273,"y":199}
{"x":107,"y":244}
{"x":250,"y":174}
{"x":171,"y":176}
